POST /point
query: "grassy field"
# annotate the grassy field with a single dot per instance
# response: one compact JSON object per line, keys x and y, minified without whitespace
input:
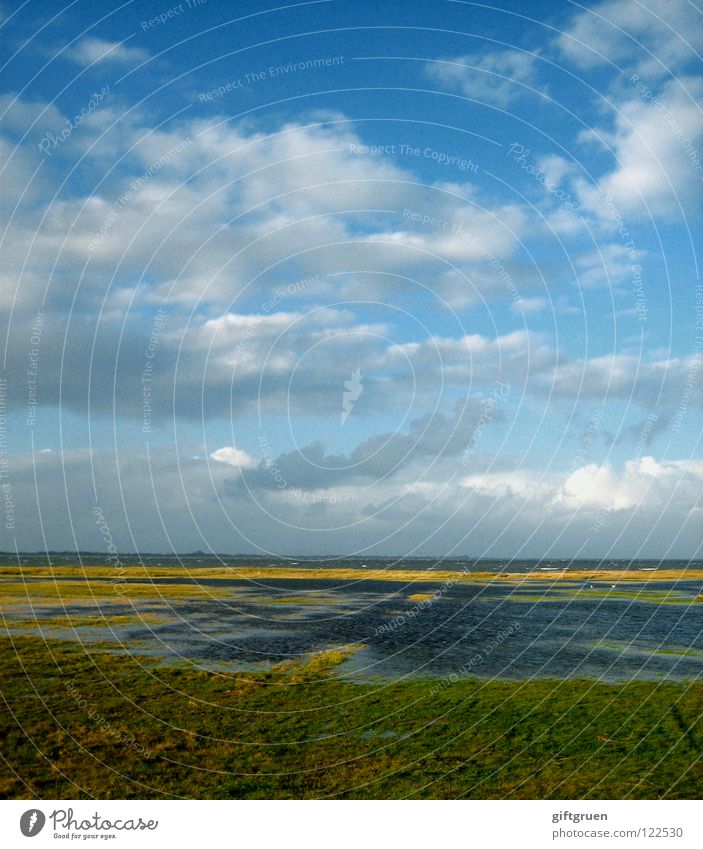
{"x":98,"y":724}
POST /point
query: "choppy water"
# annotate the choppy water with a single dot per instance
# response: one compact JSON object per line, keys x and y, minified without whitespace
{"x":537,"y":629}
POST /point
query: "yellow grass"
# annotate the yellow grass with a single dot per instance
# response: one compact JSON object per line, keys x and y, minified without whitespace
{"x":265,"y":573}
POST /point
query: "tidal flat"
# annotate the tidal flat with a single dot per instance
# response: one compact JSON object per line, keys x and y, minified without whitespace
{"x":212,"y":683}
{"x":612,"y":625}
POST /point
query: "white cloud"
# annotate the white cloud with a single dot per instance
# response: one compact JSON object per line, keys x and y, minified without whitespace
{"x":235,"y":213}
{"x":91,"y":50}
{"x":528,"y":306}
{"x":593,"y":486}
{"x":608,"y":265}
{"x":657,"y":146}
{"x":556,"y":168}
{"x":515,"y":485}
{"x":498,"y":77}
{"x":467,"y":233}
{"x":232,"y":456}
{"x":643,"y":482}
{"x":624,"y":31}
{"x":648,"y":382}
{"x":642,"y":485}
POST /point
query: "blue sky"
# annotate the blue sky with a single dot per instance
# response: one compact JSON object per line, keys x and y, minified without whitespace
{"x":347,"y":277}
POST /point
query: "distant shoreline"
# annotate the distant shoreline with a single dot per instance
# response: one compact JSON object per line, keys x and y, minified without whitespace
{"x":387,"y":559}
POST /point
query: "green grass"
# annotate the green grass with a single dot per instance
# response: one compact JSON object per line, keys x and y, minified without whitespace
{"x":300,"y":731}
{"x":79,"y":620}
{"x":52,"y":592}
{"x":557,"y":594}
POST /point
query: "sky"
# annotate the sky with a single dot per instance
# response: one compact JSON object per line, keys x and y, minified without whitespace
{"x":349,"y":278}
